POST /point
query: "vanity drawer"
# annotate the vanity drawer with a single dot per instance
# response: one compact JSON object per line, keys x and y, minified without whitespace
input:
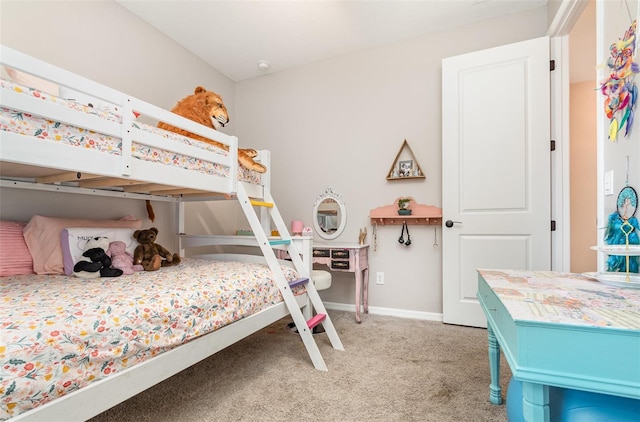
{"x":340,"y":253}
{"x":339,"y":265}
{"x":322,"y":253}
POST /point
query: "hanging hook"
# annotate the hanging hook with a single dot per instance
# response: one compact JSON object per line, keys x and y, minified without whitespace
{"x":435,"y":237}
{"x":401,"y":239}
{"x":375,"y":236}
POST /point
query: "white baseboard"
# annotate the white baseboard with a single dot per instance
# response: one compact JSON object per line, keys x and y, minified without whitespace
{"x":401,"y":313}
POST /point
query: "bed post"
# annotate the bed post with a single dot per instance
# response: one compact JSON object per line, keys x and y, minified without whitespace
{"x":180,"y":225}
{"x":265,"y":159}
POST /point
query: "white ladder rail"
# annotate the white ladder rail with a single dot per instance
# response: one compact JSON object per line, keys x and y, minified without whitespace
{"x":294,"y":254}
{"x":298,"y":318}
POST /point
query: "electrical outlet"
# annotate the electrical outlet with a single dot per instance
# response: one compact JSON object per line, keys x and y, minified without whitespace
{"x":379,"y":277}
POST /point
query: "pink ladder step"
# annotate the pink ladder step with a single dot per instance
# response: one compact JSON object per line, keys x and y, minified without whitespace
{"x":316,"y":320}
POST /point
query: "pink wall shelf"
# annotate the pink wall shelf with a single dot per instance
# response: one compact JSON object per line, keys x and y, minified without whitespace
{"x":420,"y":214}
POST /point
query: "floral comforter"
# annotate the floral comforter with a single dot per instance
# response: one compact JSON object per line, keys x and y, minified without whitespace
{"x":47,"y":130}
{"x":59,"y":333}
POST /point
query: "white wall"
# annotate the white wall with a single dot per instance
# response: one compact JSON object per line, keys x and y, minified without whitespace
{"x":102,"y":41}
{"x":612,"y":22}
{"x":339,"y":123}
{"x":583,"y":141}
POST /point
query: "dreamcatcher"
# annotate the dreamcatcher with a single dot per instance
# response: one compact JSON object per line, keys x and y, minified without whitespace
{"x":622,"y":229}
{"x":620,"y":88}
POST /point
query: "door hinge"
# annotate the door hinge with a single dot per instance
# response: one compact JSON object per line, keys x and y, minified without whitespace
{"x":552,"y":65}
{"x":553,"y":145}
{"x":553,"y":225}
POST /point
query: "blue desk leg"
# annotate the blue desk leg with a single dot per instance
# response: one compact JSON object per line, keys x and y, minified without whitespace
{"x":495,"y":395}
{"x":535,"y":402}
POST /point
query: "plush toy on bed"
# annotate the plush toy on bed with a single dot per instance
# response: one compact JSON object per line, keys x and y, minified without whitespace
{"x":206,"y":107}
{"x":122,"y":259}
{"x":151,"y":255}
{"x":95,"y":262}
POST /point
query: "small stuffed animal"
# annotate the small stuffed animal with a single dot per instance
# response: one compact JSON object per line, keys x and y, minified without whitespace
{"x":95,"y":262}
{"x":151,"y":255}
{"x":122,"y":259}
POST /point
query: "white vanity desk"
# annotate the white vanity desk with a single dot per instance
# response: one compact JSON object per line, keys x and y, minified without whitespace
{"x":347,"y":257}
{"x":329,"y":220}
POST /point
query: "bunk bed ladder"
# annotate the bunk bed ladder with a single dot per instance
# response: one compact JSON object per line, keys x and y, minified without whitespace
{"x":304,"y":327}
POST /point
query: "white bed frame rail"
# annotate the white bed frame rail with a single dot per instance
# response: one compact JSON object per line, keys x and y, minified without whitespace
{"x":304,"y":244}
{"x":28,"y":150}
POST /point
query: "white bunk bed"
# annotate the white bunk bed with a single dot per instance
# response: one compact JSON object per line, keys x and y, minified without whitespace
{"x":124,"y":168}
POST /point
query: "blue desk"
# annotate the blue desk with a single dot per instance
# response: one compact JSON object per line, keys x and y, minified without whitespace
{"x":562,"y":330}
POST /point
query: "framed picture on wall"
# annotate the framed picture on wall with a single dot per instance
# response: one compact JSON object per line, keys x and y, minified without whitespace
{"x":405,"y":168}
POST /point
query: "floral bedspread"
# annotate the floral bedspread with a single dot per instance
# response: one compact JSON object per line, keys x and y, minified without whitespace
{"x":59,"y":333}
{"x":25,"y":123}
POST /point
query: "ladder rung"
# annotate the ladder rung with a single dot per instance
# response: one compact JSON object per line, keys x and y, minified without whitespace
{"x":280,"y":242}
{"x":295,"y":283}
{"x":316,"y":320}
{"x":261,"y":203}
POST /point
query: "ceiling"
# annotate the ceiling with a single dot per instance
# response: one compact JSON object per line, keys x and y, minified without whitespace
{"x":234,"y":35}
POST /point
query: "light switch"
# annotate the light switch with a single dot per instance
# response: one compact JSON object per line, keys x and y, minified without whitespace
{"x":608,"y":183}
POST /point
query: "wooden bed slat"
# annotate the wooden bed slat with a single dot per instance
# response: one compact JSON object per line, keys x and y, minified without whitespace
{"x":67,"y":176}
{"x":107,"y":181}
{"x":179,"y":191}
{"x":147,"y":187}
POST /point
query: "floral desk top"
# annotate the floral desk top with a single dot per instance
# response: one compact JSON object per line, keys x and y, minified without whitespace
{"x":548,"y":296}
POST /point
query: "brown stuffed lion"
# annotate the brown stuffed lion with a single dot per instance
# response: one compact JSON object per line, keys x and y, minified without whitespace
{"x":206,"y":107}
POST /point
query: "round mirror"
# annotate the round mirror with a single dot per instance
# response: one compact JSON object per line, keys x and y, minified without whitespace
{"x":329,"y":215}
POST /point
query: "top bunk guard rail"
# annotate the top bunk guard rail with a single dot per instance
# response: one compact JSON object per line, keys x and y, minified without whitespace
{"x":127,"y":131}
{"x":20,"y":61}
{"x":14,"y":147}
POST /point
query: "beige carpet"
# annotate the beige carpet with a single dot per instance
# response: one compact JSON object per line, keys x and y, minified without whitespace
{"x":392,"y":369}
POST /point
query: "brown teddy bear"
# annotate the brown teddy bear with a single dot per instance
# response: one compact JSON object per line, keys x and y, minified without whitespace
{"x":151,"y":255}
{"x":206,"y":107}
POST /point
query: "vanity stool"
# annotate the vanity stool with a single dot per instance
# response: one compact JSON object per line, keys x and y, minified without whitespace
{"x":322,"y":281}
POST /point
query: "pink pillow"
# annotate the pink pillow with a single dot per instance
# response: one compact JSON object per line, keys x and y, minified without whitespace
{"x":42,"y":235}
{"x":39,"y":84}
{"x":14,"y":255}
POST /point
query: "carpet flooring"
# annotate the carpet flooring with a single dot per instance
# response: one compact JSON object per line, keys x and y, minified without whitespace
{"x":392,"y":369}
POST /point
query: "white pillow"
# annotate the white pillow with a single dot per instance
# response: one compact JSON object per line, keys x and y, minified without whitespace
{"x":74,"y":239}
{"x":79,"y":97}
{"x":82,"y":98}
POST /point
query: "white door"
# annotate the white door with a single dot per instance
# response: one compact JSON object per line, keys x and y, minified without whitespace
{"x":495,"y":169}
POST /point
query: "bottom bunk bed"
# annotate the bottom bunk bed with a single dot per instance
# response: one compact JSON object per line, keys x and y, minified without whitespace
{"x":72,"y":348}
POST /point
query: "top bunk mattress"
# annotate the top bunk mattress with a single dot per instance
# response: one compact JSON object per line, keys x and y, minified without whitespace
{"x":53,"y":131}
{"x":62,"y":333}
